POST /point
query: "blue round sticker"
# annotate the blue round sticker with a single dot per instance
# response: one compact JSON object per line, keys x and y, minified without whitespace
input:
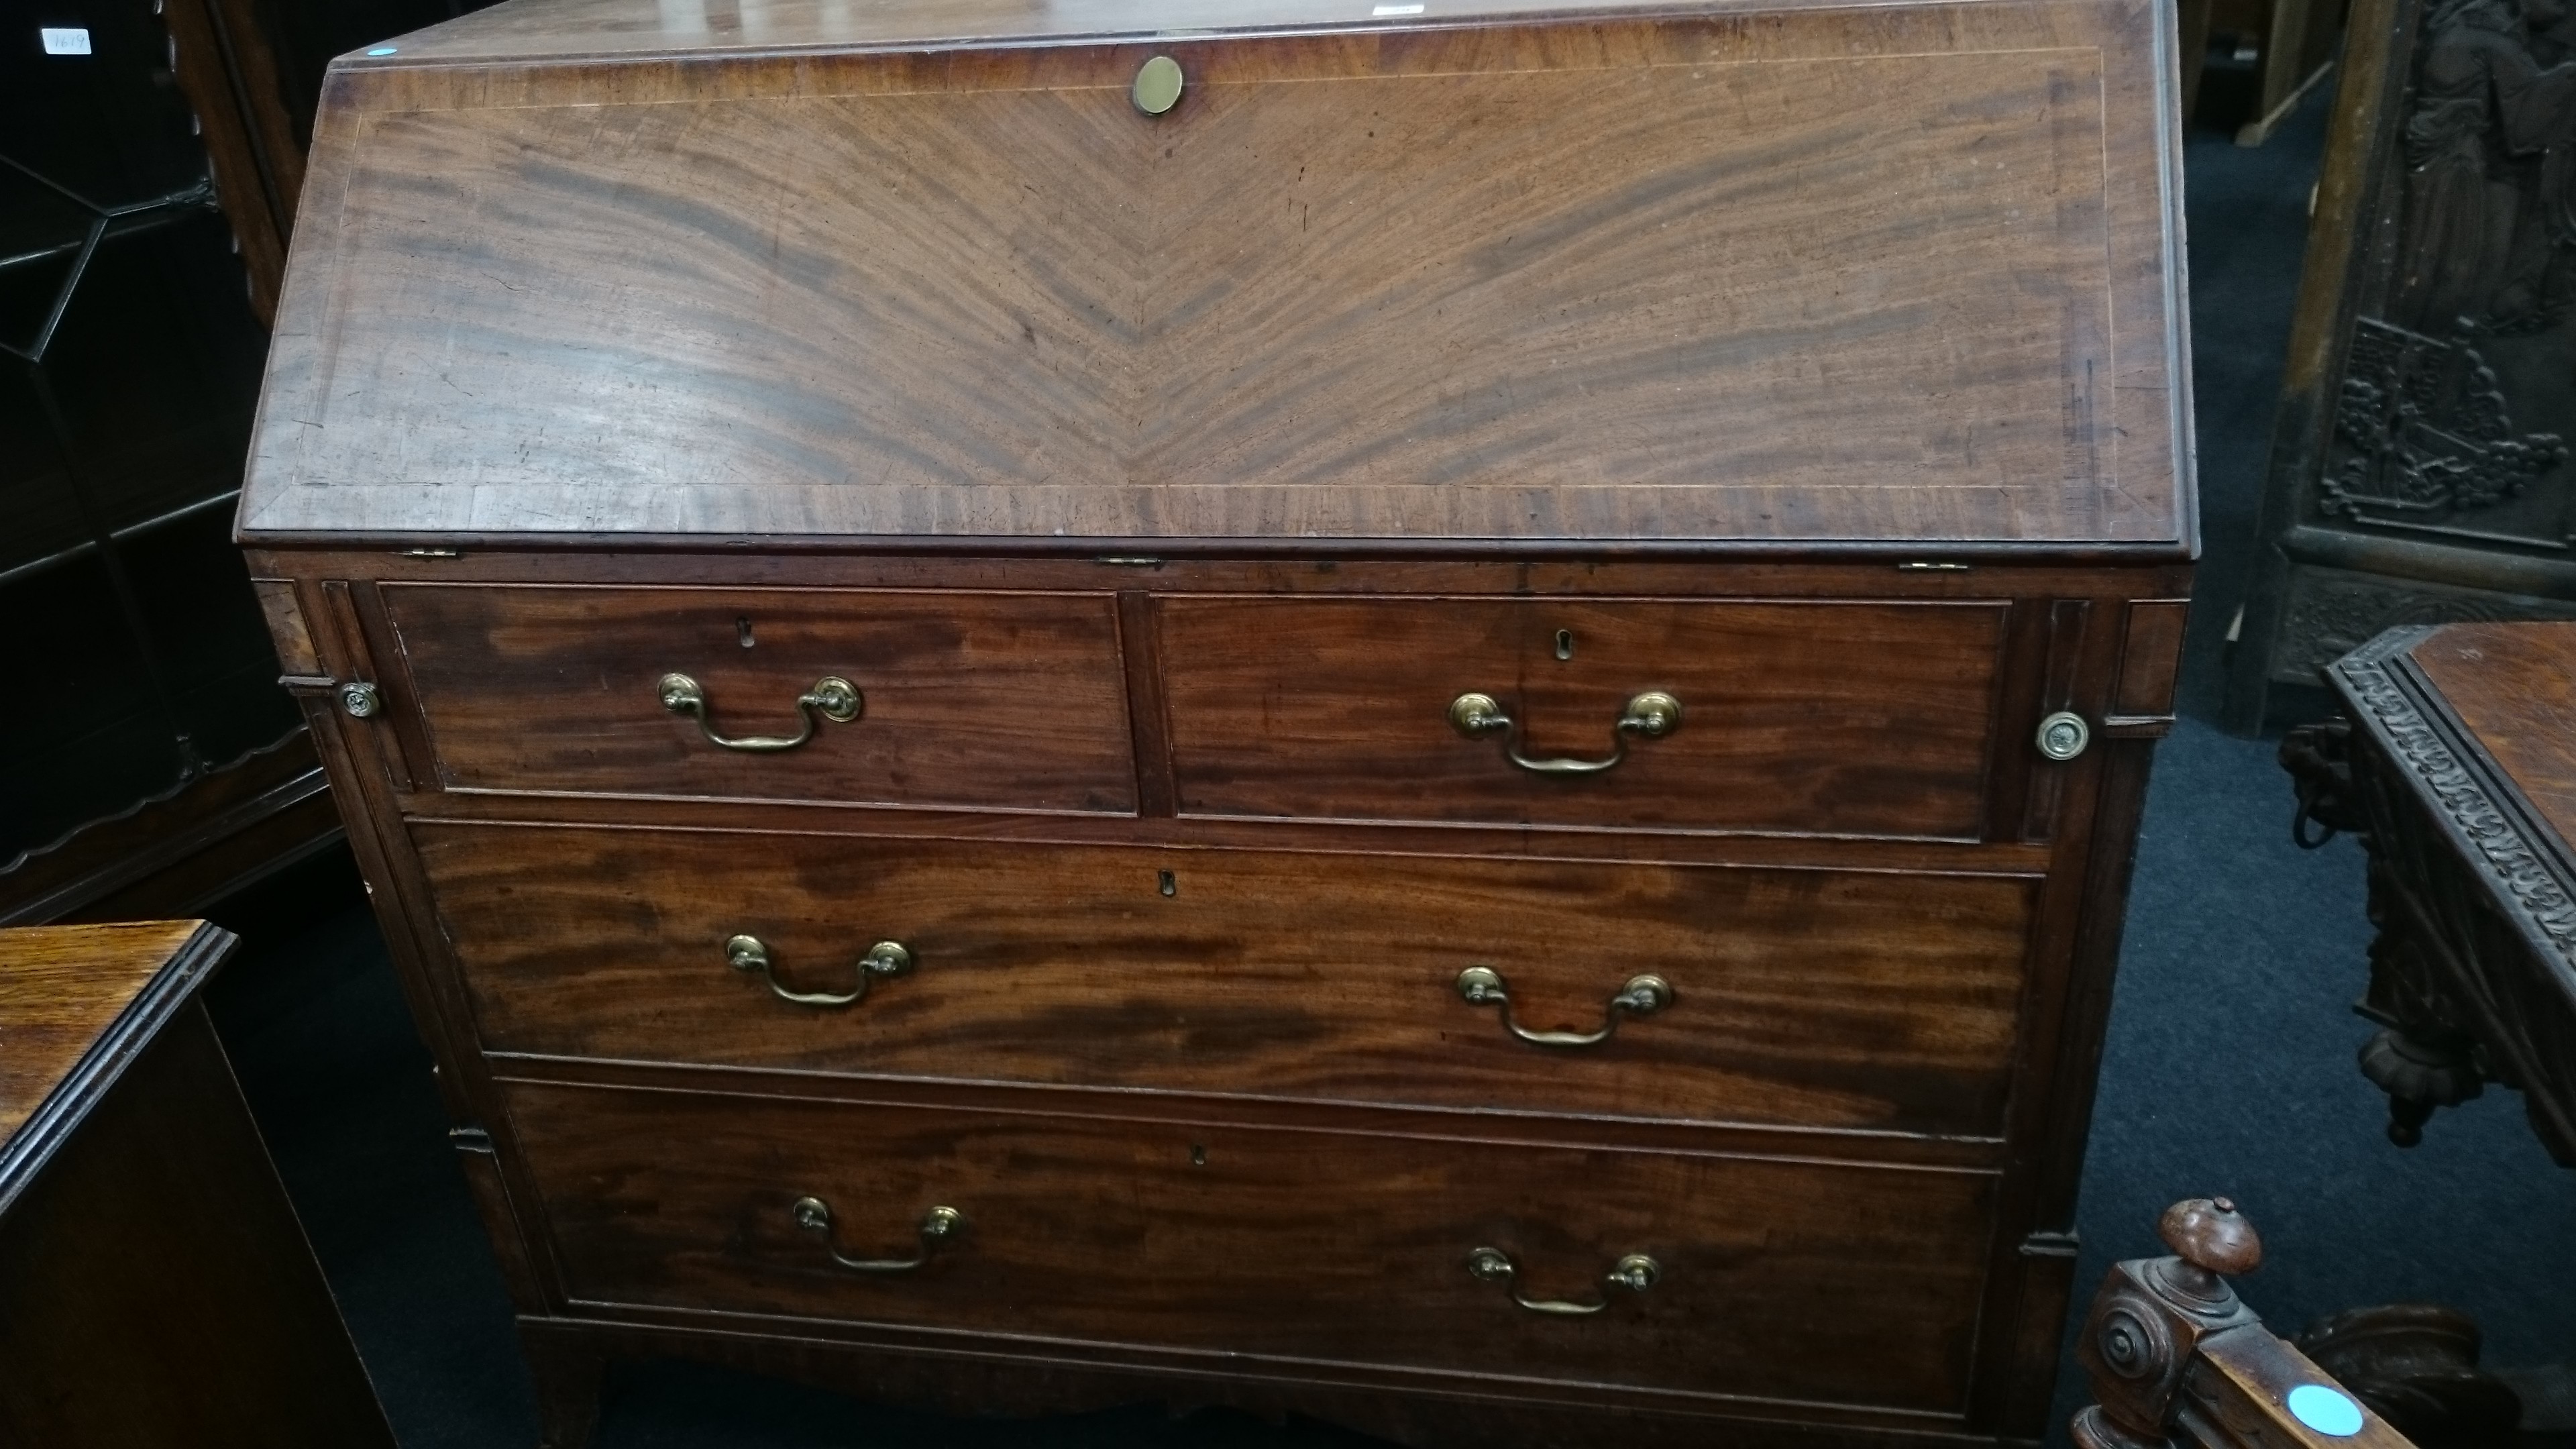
{"x":2325,"y":1410}
{"x":382,"y":50}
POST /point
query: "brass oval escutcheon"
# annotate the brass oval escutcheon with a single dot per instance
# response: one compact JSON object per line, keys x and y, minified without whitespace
{"x":1158,"y":85}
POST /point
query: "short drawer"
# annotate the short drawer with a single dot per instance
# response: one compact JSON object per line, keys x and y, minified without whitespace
{"x":1798,"y":997}
{"x":964,"y":699}
{"x":1868,"y":718}
{"x":1833,"y":1282}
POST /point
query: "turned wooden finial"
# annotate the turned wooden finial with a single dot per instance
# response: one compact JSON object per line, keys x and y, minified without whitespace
{"x":2152,"y":1314}
{"x":2211,"y":1235}
{"x":2210,"y":1238}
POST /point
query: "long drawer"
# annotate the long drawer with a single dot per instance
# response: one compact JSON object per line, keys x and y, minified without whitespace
{"x":1855,"y":718}
{"x":1819,"y":1281}
{"x":951,"y":698}
{"x":1833,"y":998}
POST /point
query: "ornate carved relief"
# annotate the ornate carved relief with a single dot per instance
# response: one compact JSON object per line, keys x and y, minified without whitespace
{"x":2424,"y":433}
{"x":2484,"y":243}
{"x":2330,"y":614}
{"x":2439,"y":430}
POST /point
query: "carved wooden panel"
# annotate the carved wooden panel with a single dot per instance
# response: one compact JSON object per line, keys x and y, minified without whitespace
{"x":2422,"y":472}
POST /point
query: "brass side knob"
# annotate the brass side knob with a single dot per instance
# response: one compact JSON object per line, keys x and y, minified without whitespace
{"x":360,"y":699}
{"x":2063,"y":735}
{"x":1158,"y":85}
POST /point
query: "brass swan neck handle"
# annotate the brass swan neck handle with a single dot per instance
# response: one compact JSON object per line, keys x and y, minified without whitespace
{"x":1641,"y":995}
{"x":1651,"y":716}
{"x":1636,"y":1273}
{"x":832,"y":698}
{"x":750,"y":954}
{"x":937,"y":1226}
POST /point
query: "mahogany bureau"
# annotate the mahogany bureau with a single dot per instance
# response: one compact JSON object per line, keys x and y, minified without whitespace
{"x":1426,"y":714}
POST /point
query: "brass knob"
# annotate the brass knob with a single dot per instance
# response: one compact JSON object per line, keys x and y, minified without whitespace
{"x":360,"y":699}
{"x":1653,"y":714}
{"x":1158,"y":85}
{"x":2063,"y":735}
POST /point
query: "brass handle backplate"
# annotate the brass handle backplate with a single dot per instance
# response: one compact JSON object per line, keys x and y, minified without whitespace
{"x":1643,"y":995}
{"x":2063,"y":735}
{"x":1651,"y":715}
{"x":936,"y":1226}
{"x":751,"y":954}
{"x":832,"y":698}
{"x":1635,"y":1272}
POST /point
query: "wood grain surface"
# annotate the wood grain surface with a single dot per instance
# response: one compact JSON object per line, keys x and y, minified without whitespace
{"x":155,"y":1287}
{"x":1819,"y":1281}
{"x":1836,"y":275}
{"x":1842,"y":719}
{"x":1820,"y":998}
{"x":2513,"y":689}
{"x":61,"y":989}
{"x":978,"y":700}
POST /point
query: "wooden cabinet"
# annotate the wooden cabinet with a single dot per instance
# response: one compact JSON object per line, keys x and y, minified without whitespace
{"x":155,"y":1287}
{"x":1447,"y":736}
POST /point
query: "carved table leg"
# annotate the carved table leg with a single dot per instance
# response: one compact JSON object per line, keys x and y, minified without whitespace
{"x":2420,"y":1057}
{"x":2418,"y":1077}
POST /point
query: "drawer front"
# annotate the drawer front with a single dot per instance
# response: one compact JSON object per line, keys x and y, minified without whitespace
{"x":1798,"y":997}
{"x":1834,"y":1282}
{"x":562,"y":689}
{"x":1824,"y":718}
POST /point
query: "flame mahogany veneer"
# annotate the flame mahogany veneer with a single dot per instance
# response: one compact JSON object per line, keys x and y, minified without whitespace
{"x":1158,"y":485}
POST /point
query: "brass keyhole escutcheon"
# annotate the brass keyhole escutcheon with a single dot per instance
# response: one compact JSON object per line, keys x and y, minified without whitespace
{"x":1158,"y":85}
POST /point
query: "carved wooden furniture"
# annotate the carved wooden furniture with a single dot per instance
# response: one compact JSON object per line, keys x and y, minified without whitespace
{"x":1432,"y":718}
{"x":2419,"y":468}
{"x":2455,"y":768}
{"x":155,"y":1287}
{"x":2176,"y":1358}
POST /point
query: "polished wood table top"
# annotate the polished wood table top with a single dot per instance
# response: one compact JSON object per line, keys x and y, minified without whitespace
{"x":2510,"y":689}
{"x":76,"y":1004}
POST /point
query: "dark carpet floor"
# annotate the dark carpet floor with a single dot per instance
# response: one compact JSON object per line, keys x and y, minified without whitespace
{"x":2229,"y":1067}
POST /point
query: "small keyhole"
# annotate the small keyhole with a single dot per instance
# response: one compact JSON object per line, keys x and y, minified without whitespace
{"x":1198,"y":1155}
{"x":1163,"y":881}
{"x":1564,"y":643}
{"x":742,"y":631}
